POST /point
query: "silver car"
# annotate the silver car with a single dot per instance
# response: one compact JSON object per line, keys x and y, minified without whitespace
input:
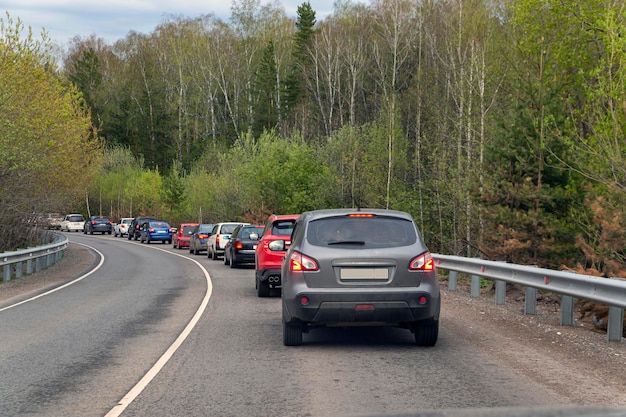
{"x":363,"y":266}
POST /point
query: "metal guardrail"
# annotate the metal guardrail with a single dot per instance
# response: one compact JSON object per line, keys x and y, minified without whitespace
{"x":607,"y":291}
{"x":16,"y":264}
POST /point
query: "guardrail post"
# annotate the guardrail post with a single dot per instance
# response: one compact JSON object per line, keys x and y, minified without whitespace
{"x":39,"y":264}
{"x":615,"y":326}
{"x":19,"y":269}
{"x":500,"y":292}
{"x":567,"y":310}
{"x":530,"y":301}
{"x":452,"y":278}
{"x":29,"y":266}
{"x":475,"y":288}
{"x":7,"y":273}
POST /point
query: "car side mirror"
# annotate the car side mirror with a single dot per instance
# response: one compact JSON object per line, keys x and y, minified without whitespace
{"x":276,"y":245}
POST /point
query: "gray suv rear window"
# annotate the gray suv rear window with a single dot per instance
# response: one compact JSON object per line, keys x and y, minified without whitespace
{"x":371,"y":232}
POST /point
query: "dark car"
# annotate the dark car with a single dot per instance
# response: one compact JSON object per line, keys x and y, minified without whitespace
{"x":155,"y":230}
{"x":268,"y":262}
{"x":240,"y":247}
{"x":361,"y":266}
{"x":135,"y":225}
{"x":199,"y":237}
{"x":98,"y":224}
{"x":182,"y":237}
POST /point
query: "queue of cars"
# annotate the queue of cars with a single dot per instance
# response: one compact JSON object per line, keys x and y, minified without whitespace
{"x":334,"y":267}
{"x":338,"y":267}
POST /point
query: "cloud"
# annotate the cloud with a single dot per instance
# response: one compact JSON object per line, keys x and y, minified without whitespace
{"x":114,"y":19}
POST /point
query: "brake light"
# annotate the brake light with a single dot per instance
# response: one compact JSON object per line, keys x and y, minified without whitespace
{"x":238,"y":244}
{"x":151,"y":230}
{"x":202,"y":236}
{"x":361,"y":215}
{"x":217,"y":240}
{"x":300,"y":262}
{"x":424,"y":262}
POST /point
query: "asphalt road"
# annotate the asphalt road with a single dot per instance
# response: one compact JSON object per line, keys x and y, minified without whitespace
{"x":85,"y":349}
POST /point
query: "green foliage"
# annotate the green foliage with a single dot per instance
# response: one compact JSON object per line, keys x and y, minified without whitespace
{"x":173,"y":192}
{"x":499,"y":126}
{"x":48,"y":151}
{"x":295,"y":85}
{"x":266,"y":108}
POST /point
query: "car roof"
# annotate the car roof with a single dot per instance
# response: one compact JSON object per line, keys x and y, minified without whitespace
{"x":319,"y":214}
{"x":275,"y":217}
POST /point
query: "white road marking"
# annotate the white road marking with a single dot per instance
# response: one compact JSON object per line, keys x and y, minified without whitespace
{"x":156,"y":368}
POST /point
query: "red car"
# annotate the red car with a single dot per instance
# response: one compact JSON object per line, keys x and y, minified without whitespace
{"x":183,"y":235}
{"x":268,"y":262}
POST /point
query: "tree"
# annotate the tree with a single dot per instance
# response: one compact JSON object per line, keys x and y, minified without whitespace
{"x":266,"y":109}
{"x":296,"y":97}
{"x":41,"y":118}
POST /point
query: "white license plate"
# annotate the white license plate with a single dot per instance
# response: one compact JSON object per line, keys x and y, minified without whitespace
{"x":364,"y":273}
{"x":160,"y":231}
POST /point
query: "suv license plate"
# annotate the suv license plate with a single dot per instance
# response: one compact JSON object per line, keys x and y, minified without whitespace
{"x":364,"y":273}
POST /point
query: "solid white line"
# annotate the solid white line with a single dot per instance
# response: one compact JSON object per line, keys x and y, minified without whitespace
{"x":64,"y":285}
{"x":156,"y":368}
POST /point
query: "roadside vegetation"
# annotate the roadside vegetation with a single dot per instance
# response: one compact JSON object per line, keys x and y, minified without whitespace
{"x":499,"y":125}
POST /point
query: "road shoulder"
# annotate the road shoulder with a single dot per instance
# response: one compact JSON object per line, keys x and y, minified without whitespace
{"x":76,"y":260}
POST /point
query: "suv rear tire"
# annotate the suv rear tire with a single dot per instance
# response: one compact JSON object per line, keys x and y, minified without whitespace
{"x":292,"y":334}
{"x":426,"y":332}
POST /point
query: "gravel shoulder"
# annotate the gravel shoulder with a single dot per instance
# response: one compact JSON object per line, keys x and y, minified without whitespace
{"x":575,"y":361}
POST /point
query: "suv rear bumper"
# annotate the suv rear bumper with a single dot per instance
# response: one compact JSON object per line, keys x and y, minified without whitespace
{"x":330,"y":307}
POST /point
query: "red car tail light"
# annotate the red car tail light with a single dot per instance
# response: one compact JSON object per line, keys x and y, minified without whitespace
{"x":151,"y":230}
{"x":300,"y":262}
{"x":238,"y":244}
{"x":424,"y":262}
{"x":202,"y":236}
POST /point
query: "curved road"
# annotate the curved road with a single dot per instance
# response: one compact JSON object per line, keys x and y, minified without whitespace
{"x":81,"y":350}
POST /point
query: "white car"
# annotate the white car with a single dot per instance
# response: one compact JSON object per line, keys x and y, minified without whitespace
{"x":73,"y":223}
{"x":219,"y":237}
{"x":121,"y":228}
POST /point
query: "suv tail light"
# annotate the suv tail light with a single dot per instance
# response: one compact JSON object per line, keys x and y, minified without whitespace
{"x":300,"y":262}
{"x":424,"y":262}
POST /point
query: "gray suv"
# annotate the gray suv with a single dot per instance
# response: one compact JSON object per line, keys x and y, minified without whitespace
{"x":366,"y":266}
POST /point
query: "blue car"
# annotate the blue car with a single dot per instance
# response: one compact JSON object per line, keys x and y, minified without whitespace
{"x":156,"y":231}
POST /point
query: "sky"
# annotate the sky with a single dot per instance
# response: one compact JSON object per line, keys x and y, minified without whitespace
{"x":113,"y":19}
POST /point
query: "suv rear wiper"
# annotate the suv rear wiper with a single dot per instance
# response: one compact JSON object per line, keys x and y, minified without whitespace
{"x":347,"y":242}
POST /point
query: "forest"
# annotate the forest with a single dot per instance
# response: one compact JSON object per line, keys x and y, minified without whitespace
{"x":498,"y":124}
